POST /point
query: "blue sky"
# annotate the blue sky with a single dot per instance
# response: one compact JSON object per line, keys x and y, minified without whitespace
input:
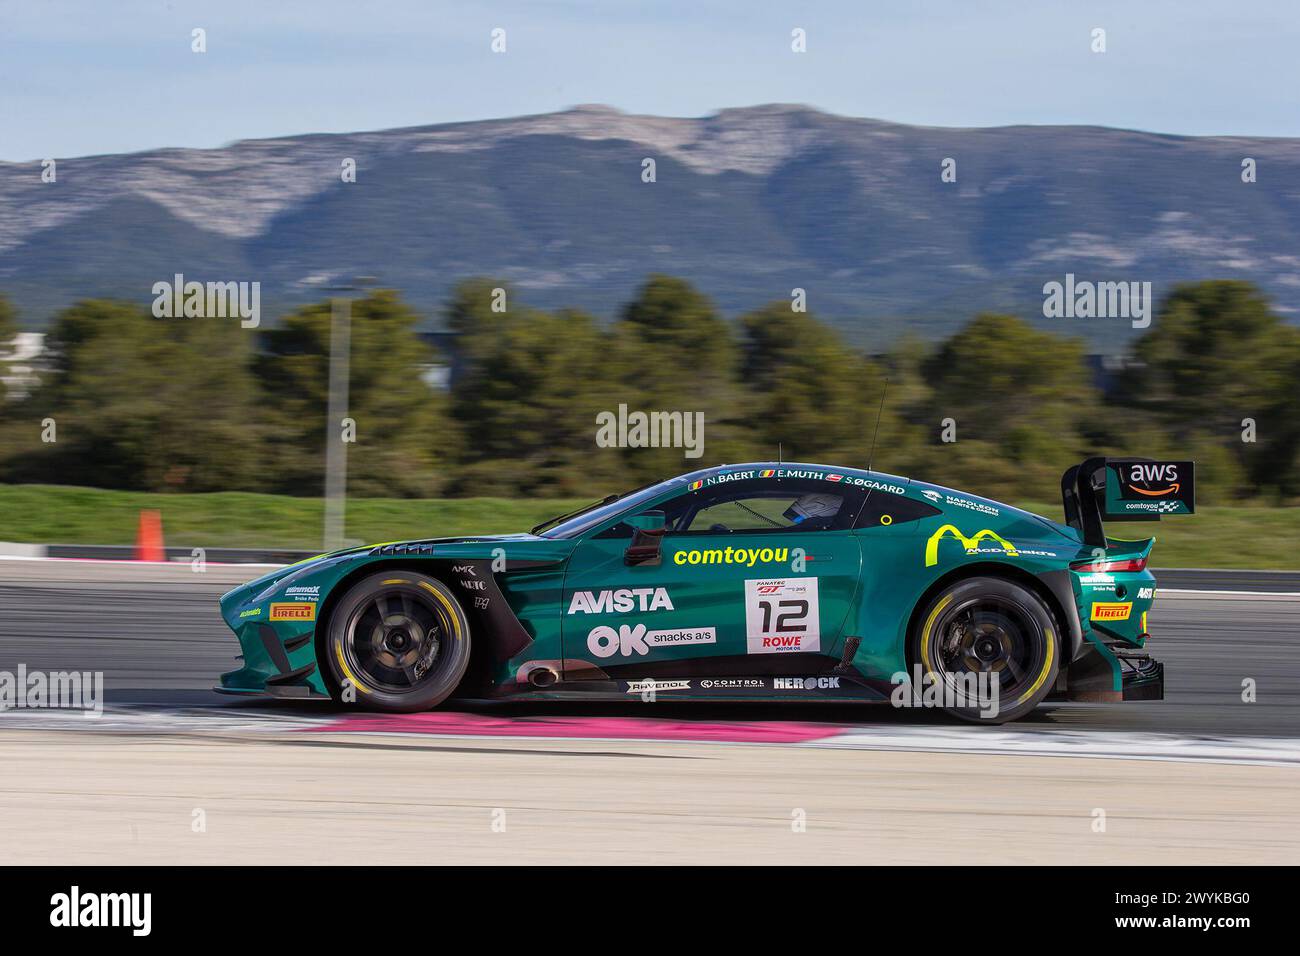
{"x":81,"y":77}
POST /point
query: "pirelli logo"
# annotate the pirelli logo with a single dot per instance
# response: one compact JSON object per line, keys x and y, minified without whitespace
{"x":297,"y":611}
{"x":1111,"y":610}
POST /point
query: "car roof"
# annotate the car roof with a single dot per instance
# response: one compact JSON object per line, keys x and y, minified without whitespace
{"x":794,"y":466}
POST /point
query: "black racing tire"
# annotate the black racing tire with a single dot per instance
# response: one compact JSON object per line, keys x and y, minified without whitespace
{"x":396,"y":641}
{"x":991,"y":647}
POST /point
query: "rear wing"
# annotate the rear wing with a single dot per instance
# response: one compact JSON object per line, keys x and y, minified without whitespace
{"x":1125,"y":489}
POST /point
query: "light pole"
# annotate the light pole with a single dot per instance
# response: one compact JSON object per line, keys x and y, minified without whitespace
{"x":336,"y":449}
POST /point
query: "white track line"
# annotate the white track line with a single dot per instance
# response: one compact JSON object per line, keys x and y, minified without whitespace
{"x":986,"y":741}
{"x":1109,"y":745}
{"x":1282,"y":594}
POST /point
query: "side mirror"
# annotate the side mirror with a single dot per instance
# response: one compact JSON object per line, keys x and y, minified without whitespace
{"x":648,"y":531}
{"x":650,"y":521}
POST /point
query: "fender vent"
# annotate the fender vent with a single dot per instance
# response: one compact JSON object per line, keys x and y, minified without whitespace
{"x":416,"y":547}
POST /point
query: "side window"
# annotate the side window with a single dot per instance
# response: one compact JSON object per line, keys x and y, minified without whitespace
{"x":744,"y":513}
{"x":882,"y":508}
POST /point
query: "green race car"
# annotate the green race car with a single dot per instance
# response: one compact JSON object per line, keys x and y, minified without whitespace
{"x":765,"y":581}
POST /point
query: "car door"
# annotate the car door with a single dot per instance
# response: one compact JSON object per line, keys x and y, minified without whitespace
{"x":737,"y":585}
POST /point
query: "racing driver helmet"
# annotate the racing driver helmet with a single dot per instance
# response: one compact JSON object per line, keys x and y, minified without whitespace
{"x":815,"y":509}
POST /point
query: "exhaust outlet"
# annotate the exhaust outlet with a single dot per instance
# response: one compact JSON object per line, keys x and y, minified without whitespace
{"x":542,"y":677}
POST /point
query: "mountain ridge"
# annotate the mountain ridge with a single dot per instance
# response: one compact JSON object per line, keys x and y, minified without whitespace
{"x":748,"y":203}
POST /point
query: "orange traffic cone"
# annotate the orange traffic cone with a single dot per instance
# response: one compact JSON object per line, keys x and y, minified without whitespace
{"x":149,"y":539}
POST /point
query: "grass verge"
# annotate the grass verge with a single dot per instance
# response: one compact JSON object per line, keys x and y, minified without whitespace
{"x":1216,"y":537}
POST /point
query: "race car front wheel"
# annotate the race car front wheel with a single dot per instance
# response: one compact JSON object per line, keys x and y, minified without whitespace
{"x":396,"y":641}
{"x":988,"y":650}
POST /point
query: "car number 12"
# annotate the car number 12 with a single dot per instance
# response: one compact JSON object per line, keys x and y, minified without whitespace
{"x":782,"y":616}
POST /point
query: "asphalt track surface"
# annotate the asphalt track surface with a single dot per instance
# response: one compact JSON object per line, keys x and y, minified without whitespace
{"x":1201,"y":777}
{"x":155,"y":634}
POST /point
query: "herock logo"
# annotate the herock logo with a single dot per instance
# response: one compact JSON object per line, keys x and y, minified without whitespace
{"x":75,"y":909}
{"x":217,"y":300}
{"x":651,"y":430}
{"x":1100,"y":300}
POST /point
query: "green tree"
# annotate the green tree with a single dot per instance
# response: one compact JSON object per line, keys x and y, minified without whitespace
{"x":8,"y":331}
{"x":146,"y":403}
{"x":403,"y":437}
{"x":1216,"y":355}
{"x":531,"y":409}
{"x":1024,"y":394}
{"x":679,"y":355}
{"x":807,"y":390}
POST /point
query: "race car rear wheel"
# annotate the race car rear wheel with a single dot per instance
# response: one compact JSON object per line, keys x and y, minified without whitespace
{"x":396,"y":641}
{"x":988,"y":648}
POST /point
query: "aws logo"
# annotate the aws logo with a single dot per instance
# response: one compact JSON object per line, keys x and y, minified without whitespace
{"x":972,"y":544}
{"x":1149,"y":474}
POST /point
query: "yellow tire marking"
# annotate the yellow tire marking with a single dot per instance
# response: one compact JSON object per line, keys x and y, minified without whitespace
{"x":455,"y":619}
{"x":338,"y":652}
{"x":929,"y":667}
{"x":395,"y":581}
{"x":1047,"y":666}
{"x":928,"y":629}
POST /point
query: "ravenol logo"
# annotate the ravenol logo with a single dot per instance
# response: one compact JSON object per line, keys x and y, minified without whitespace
{"x":970,"y":544}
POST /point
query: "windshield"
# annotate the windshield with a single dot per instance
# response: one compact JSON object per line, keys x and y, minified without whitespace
{"x":579,"y":523}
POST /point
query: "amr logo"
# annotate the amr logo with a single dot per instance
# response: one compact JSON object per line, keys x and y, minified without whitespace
{"x":970,"y":544}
